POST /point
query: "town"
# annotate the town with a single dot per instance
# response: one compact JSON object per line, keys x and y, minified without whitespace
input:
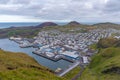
{"x":73,"y":47}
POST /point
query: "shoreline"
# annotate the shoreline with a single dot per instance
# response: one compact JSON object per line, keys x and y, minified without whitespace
{"x":28,"y":51}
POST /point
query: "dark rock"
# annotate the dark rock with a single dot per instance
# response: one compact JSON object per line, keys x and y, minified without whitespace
{"x":112,"y":70}
{"x":11,"y":68}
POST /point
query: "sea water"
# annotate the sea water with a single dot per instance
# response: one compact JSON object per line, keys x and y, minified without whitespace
{"x":9,"y":45}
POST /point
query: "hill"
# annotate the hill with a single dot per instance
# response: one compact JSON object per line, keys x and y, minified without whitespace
{"x":108,"y":42}
{"x":24,"y":31}
{"x":31,"y":31}
{"x":107,"y":25}
{"x":47,"y":24}
{"x":21,"y":31}
{"x":73,"y":23}
{"x":19,"y":66}
{"x":105,"y":65}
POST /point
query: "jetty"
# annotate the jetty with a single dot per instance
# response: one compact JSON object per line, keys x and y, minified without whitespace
{"x":53,"y":59}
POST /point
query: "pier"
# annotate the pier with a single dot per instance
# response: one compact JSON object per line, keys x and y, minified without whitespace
{"x":61,"y":73}
{"x":53,"y":59}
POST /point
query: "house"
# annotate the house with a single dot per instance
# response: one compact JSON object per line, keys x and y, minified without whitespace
{"x":85,"y":60}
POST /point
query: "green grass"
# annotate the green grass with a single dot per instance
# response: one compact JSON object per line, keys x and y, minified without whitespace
{"x":93,"y":47}
{"x":104,"y":61}
{"x":72,"y":73}
{"x":30,"y":32}
{"x":19,"y":66}
{"x":108,"y":42}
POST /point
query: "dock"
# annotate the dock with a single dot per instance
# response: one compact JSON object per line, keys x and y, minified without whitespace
{"x":53,"y":59}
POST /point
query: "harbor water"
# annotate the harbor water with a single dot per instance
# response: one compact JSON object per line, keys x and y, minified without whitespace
{"x":9,"y":45}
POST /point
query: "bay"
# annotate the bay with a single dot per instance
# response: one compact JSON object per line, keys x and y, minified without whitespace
{"x":9,"y":45}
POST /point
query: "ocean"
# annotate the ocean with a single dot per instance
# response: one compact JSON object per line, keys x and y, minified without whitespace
{"x":7,"y":25}
{"x":21,"y":24}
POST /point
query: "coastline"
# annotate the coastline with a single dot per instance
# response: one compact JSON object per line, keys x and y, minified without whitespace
{"x":11,"y":46}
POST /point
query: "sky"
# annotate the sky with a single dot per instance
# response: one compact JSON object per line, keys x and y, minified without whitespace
{"x":59,"y":10}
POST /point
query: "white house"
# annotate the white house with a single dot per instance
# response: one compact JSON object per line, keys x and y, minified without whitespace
{"x":85,"y":59}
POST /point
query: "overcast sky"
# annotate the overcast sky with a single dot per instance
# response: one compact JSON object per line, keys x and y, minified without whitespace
{"x":60,"y":10}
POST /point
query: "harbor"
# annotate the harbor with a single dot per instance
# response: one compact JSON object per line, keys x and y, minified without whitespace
{"x":57,"y":46}
{"x":53,"y":59}
{"x":12,"y":46}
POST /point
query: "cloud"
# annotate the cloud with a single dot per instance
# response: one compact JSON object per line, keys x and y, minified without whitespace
{"x":62,"y":10}
{"x":113,"y":6}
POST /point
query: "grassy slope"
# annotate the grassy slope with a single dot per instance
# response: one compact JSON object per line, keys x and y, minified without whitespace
{"x":19,"y":66}
{"x":106,"y":59}
{"x":72,"y":73}
{"x":21,"y":31}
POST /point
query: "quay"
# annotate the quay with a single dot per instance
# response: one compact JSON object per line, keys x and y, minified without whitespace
{"x":53,"y":59}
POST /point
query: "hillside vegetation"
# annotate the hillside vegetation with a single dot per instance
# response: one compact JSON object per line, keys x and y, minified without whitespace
{"x":19,"y":66}
{"x":107,"y":25}
{"x":106,"y":64}
{"x":108,"y":42}
{"x":72,"y":73}
{"x":32,"y":31}
{"x":29,"y":32}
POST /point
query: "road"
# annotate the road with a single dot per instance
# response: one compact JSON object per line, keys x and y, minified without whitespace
{"x":69,"y":69}
{"x":79,"y":74}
